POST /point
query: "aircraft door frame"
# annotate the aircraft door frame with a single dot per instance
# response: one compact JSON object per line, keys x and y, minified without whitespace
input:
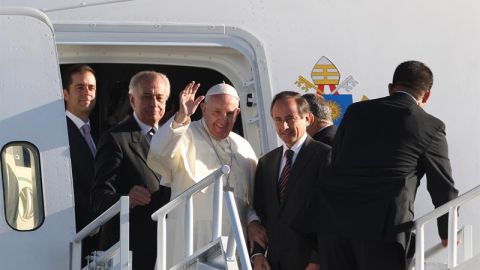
{"x":229,"y":50}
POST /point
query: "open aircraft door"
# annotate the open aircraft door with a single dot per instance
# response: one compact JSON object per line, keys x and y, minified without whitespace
{"x":36,"y":197}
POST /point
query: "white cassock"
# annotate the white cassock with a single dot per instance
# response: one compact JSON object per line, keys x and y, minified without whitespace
{"x":186,"y":154}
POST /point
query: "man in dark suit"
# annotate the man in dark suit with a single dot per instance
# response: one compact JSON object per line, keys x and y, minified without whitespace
{"x":382,"y":149}
{"x":321,"y":128}
{"x":121,"y":168}
{"x":79,"y":94}
{"x":284,"y":180}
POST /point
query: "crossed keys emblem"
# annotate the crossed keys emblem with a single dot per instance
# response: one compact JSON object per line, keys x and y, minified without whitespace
{"x":346,"y":85}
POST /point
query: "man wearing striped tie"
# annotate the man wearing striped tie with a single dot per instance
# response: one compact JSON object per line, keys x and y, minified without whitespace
{"x":79,"y":94}
{"x":284,"y":180}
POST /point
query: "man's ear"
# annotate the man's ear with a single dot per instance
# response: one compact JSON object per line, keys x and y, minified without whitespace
{"x":426,"y":96}
{"x":310,"y":118}
{"x":132,"y":101}
{"x":203,"y":107}
{"x":65,"y":94}
{"x":390,"y":88}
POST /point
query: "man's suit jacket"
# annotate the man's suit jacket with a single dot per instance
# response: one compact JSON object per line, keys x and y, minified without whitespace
{"x":287,"y":249}
{"x":326,"y":135}
{"x":120,"y":164}
{"x":382,"y":149}
{"x":83,"y":167}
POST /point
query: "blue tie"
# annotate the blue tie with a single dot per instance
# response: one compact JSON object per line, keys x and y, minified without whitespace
{"x":88,"y":138}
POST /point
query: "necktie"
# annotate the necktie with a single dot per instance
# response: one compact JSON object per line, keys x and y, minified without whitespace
{"x":150,"y":134}
{"x":88,"y":138}
{"x":282,"y":181}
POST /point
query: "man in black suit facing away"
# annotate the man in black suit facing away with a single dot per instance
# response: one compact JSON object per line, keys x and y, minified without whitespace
{"x":284,"y":181}
{"x":382,"y":149}
{"x":79,"y":94}
{"x":121,"y":168}
{"x":321,"y":128}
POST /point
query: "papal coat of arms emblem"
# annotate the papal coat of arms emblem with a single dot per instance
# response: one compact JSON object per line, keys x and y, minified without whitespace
{"x":327,"y":83}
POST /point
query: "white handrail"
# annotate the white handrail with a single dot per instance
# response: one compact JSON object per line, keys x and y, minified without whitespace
{"x":464,"y":234}
{"x":451,"y":208}
{"x":186,"y":196}
{"x":122,"y":207}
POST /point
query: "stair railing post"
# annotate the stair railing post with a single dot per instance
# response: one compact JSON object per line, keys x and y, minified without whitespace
{"x":420,"y":248}
{"x":124,"y":233}
{"x":188,"y":226}
{"x":236,"y":227}
{"x":231,"y":246}
{"x":452,"y":236}
{"x":75,"y":255}
{"x":162,"y":243}
{"x":217,"y":208}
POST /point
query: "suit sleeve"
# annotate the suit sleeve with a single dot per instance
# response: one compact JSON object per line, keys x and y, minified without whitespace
{"x":440,"y":183}
{"x":258,"y":204}
{"x":107,"y":168}
{"x":311,"y":237}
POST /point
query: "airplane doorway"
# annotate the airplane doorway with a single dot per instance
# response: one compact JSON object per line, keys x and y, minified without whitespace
{"x":112,"y":103}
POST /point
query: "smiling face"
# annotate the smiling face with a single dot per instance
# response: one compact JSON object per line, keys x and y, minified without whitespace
{"x":148,"y":100}
{"x":220,"y":113}
{"x":289,"y":124}
{"x":80,"y":94}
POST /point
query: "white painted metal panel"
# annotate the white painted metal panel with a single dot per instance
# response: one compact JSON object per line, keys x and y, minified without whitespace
{"x":32,"y":110}
{"x":365,"y":39}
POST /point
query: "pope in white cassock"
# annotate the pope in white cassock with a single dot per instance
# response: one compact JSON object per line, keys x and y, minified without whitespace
{"x":185,"y":152}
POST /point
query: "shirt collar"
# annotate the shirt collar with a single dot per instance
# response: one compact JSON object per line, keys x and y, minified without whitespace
{"x":144,"y":127}
{"x":296,"y":147}
{"x":76,"y":120}
{"x":406,"y":93}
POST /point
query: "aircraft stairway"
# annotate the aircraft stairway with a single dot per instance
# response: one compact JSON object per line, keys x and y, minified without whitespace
{"x":463,"y":238}
{"x":220,"y":252}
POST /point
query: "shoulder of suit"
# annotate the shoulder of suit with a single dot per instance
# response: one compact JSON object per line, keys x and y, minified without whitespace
{"x":127,"y":125}
{"x":272,"y":153}
{"x":434,"y":121}
{"x":70,"y":124}
{"x":320,"y":145}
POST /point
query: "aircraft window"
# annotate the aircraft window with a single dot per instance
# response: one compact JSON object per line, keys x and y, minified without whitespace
{"x":22,"y":187}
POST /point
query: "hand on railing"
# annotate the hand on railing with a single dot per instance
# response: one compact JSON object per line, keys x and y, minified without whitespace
{"x":256,"y":233}
{"x":139,"y":196}
{"x":444,"y":242}
{"x":260,"y":263}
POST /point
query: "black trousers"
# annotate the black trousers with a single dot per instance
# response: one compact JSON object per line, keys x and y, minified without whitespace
{"x":355,"y":254}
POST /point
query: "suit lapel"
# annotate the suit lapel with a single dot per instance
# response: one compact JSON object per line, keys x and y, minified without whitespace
{"x":77,"y":141}
{"x":273,"y":176}
{"x":139,"y":144}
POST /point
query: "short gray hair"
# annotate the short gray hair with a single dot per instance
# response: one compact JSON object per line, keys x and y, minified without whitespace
{"x":147,"y":76}
{"x":318,"y":107}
